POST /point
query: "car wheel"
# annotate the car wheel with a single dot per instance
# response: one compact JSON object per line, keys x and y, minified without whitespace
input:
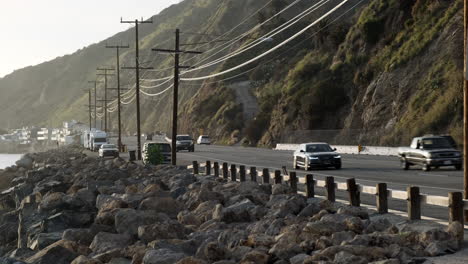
{"x":426,"y":167}
{"x":404,"y":164}
{"x":458,"y":167}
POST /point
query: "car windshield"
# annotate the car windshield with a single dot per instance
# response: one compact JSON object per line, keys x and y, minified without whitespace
{"x":318,"y":148}
{"x":108,"y":146}
{"x":204,"y":137}
{"x":435,"y":143}
{"x":99,"y":140}
{"x":162,"y":147}
{"x":183,"y":138}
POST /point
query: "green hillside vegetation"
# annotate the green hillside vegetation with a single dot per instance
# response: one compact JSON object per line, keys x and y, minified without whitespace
{"x":390,"y":70}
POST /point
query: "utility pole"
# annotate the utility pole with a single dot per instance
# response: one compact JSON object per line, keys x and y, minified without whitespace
{"x":118,"y":47}
{"x":137,"y":68}
{"x":175,"y":98}
{"x":104,"y":108}
{"x":95,"y":101}
{"x":89,"y":109}
{"x":105,"y":74}
{"x":465,"y":109}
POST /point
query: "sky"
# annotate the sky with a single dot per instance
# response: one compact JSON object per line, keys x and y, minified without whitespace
{"x":35,"y":31}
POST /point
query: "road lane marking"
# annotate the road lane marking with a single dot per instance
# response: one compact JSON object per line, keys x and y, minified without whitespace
{"x":433,"y":175}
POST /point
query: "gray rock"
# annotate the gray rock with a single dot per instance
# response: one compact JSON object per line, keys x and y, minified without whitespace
{"x":438,"y":248}
{"x":164,"y":230}
{"x":83,"y":236}
{"x":53,"y":254}
{"x":309,"y":210}
{"x":340,"y":237}
{"x":25,"y":162}
{"x":298,"y":259}
{"x":165,"y":205}
{"x":103,"y":242}
{"x":42,"y":240}
{"x":128,"y":220}
{"x":344,"y":257}
{"x":162,"y":256}
{"x":354,"y":211}
{"x":238,"y":212}
{"x":280,"y":189}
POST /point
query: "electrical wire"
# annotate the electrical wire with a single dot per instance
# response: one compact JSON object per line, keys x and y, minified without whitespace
{"x":156,"y":94}
{"x":272,"y":49}
{"x":261,"y":40}
{"x":285,"y":52}
{"x":156,"y":86}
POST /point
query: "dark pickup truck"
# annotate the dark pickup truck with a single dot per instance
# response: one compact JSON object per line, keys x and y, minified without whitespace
{"x":430,"y":152}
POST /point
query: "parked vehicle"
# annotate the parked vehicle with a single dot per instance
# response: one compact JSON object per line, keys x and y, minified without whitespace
{"x":164,"y":149}
{"x":430,"y":152}
{"x":184,"y":142}
{"x":108,"y":150}
{"x":97,"y":138}
{"x":319,"y":155}
{"x":204,"y":139}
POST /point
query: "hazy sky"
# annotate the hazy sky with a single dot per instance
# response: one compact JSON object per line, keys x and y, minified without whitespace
{"x":34,"y":31}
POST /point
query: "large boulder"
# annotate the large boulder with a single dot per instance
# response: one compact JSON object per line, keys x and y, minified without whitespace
{"x":165,"y":205}
{"x":103,"y":242}
{"x":55,"y":254}
{"x":162,"y":230}
{"x":128,"y":220}
{"x":26,"y":162}
{"x":162,"y":256}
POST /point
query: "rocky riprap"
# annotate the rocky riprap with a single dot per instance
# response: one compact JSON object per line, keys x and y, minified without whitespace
{"x":65,"y":207}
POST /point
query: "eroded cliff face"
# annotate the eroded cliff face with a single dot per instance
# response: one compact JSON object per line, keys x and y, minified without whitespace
{"x":402,"y":78}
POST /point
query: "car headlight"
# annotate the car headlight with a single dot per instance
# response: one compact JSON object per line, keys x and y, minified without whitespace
{"x":313,"y":158}
{"x":177,"y":142}
{"x":337,"y":157}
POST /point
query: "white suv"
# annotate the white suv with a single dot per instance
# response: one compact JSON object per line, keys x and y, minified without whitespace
{"x":203,"y":139}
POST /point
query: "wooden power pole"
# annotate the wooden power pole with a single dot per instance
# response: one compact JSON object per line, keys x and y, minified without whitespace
{"x":175,"y":102}
{"x":95,"y":101}
{"x":465,"y":109}
{"x":137,"y":68}
{"x":118,"y":47}
{"x":105,"y":74}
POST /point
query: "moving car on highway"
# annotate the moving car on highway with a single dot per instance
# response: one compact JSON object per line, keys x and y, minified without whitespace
{"x":319,"y":155}
{"x":204,"y":139}
{"x":164,"y":150}
{"x":185,"y":142}
{"x":107,"y":150}
{"x":430,"y":152}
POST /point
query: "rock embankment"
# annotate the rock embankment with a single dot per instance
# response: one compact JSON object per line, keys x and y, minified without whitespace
{"x":65,"y":207}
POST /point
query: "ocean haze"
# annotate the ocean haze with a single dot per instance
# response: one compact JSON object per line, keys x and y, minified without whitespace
{"x":7,"y":160}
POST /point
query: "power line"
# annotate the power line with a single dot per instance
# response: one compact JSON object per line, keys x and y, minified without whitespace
{"x":271,"y":50}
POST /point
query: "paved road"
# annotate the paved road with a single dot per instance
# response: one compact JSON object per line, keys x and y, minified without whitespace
{"x":368,"y":170}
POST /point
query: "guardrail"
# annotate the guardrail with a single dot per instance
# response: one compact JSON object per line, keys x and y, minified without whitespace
{"x":454,"y":201}
{"x":366,"y":150}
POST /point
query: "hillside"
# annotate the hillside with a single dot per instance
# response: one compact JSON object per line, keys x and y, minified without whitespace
{"x":375,"y":72}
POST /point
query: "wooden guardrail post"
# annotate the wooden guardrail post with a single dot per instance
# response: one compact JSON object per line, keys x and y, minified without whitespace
{"x":456,"y":207}
{"x":278,"y":177}
{"x":195,"y":167}
{"x":353,"y":191}
{"x":233,"y":172}
{"x":456,"y":211}
{"x":266,"y":176}
{"x":216,"y":169}
{"x":253,"y":174}
{"x":382,"y":198}
{"x":414,"y":203}
{"x":330,"y":186}
{"x":293,"y":181}
{"x":225,"y":171}
{"x":310,"y":191}
{"x":208,"y":167}
{"x":242,"y":173}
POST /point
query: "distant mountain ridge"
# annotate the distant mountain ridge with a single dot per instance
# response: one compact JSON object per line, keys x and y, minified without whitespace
{"x":380,"y":73}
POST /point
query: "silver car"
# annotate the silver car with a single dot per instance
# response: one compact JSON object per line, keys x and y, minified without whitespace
{"x":318,"y":155}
